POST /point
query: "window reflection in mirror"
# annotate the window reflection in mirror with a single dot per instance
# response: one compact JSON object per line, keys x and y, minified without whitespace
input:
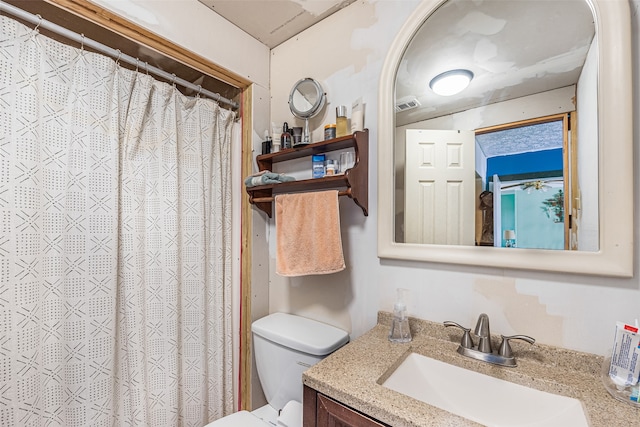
{"x":534,"y":66}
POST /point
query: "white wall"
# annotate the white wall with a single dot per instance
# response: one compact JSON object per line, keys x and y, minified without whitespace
{"x":197,"y":28}
{"x":345,"y":53}
{"x":586,"y":212}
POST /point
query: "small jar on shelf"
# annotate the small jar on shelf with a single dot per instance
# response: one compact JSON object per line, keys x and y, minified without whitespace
{"x":331,"y":168}
{"x":329,"y":131}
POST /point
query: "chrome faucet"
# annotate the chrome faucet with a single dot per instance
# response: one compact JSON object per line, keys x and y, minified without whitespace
{"x":484,"y":350}
{"x":483,"y":333}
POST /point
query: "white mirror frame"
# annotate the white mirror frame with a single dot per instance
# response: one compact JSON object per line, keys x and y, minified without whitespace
{"x":615,"y":139}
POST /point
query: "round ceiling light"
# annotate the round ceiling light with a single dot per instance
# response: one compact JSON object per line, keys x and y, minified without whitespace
{"x":451,"y":82}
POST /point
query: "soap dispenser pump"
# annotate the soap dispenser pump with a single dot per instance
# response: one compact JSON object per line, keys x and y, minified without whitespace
{"x":400,"y":331}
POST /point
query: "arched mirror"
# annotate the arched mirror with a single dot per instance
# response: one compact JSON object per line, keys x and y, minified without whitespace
{"x":530,"y":165}
{"x":305,"y":101}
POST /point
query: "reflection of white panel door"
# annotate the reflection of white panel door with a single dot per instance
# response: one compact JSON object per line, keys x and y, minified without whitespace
{"x":440,"y":187}
{"x":497,"y":211}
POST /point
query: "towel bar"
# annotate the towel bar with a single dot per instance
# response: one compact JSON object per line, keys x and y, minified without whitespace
{"x":346,"y":192}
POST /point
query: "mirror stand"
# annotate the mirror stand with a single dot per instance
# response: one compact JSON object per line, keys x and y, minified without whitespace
{"x":306,"y":135}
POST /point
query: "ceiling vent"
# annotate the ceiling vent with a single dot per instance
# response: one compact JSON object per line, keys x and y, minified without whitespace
{"x":407,"y":103}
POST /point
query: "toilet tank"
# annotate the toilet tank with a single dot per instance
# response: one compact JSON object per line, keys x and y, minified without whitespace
{"x":285,"y":346}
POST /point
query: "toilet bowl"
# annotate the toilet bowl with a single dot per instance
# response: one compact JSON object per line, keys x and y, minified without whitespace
{"x":285,"y":346}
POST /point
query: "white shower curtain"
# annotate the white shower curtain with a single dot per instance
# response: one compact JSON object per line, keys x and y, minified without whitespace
{"x":115,"y":259}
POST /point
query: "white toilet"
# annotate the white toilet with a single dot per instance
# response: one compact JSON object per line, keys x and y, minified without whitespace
{"x":285,"y":346}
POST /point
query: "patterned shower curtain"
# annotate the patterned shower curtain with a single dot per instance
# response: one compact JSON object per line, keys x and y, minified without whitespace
{"x":115,"y":276}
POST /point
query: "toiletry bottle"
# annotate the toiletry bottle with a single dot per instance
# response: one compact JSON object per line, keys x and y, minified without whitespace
{"x":400,"y":325}
{"x":266,"y":143}
{"x":275,"y":144}
{"x":275,"y":134}
{"x":317,"y":165}
{"x":341,"y":121}
{"x":331,"y":168}
{"x":357,"y":116}
{"x":285,"y":139}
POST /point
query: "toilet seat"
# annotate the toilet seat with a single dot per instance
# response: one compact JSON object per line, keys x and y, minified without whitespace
{"x":290,"y":416}
{"x":239,"y":419}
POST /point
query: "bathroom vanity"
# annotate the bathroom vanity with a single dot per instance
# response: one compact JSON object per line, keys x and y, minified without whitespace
{"x":347,"y":387}
{"x":321,"y":410}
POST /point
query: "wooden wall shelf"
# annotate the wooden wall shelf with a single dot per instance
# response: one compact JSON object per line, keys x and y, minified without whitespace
{"x":354,"y":183}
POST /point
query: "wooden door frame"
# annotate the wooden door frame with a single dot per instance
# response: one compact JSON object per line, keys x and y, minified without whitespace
{"x":123,"y":27}
{"x":569,"y":158}
{"x":246,"y":350}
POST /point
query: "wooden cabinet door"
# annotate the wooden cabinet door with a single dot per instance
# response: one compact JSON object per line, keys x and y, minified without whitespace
{"x":333,"y":414}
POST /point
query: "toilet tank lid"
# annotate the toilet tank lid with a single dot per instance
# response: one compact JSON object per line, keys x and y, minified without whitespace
{"x":300,"y":333}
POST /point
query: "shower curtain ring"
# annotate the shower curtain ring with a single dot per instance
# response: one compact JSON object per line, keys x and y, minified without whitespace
{"x":136,"y":65}
{"x":118,"y":58}
{"x":146,"y":66}
{"x":81,"y":42}
{"x":199,"y":91}
{"x":173,"y":80}
{"x":35,"y":30}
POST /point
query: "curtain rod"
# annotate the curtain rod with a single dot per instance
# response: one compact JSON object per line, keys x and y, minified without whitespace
{"x":114,"y":53}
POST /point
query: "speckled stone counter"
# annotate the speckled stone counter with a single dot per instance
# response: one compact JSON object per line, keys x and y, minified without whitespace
{"x":353,"y":375}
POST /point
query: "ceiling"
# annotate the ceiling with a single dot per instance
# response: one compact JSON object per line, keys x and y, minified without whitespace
{"x":523,"y":139}
{"x":513,"y":48}
{"x":275,"y":21}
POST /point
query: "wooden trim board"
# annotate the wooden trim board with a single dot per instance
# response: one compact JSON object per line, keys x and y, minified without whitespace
{"x":125,"y":28}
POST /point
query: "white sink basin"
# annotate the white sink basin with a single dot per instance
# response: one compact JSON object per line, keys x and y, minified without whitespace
{"x":481,"y":398}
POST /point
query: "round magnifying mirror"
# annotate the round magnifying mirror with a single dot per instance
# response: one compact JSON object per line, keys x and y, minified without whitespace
{"x":305,"y":101}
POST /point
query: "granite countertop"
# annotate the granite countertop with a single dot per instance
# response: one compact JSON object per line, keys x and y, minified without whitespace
{"x":352,"y":376}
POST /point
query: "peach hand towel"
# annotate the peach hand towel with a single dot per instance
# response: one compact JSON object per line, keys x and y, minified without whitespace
{"x":308,"y":234}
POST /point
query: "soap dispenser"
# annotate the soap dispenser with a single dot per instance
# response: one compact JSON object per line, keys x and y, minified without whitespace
{"x":400,"y":331}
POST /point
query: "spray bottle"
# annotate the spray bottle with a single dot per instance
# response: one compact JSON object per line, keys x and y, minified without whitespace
{"x":400,"y":325}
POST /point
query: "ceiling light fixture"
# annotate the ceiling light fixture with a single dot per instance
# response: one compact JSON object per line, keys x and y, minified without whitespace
{"x":534,"y":185}
{"x":451,"y":82}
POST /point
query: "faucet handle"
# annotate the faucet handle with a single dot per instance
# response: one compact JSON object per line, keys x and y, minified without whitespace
{"x":466,"y":342}
{"x":505,"y":347}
